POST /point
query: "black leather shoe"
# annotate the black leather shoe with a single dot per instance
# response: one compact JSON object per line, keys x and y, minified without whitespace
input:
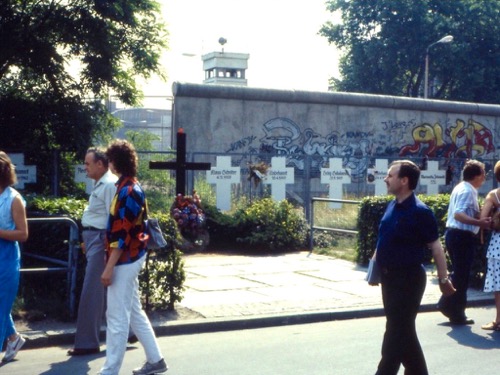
{"x":462,"y":322}
{"x":79,"y":351}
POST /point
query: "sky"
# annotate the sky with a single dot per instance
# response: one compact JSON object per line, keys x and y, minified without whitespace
{"x":281,"y":37}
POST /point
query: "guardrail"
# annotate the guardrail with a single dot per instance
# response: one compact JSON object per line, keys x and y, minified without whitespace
{"x":69,"y":266}
{"x":313,"y":227}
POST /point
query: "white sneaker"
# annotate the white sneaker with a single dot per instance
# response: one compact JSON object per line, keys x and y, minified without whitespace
{"x":12,"y":348}
{"x":151,"y":368}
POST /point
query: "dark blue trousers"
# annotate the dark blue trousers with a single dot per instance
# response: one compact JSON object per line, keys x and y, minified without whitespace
{"x":461,"y":246}
{"x":402,"y":291}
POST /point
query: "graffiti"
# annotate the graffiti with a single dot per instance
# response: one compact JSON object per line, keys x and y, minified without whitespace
{"x":284,"y":137}
{"x":281,"y":134}
{"x":355,"y":157}
{"x":392,"y":125}
{"x":466,"y":140}
{"x":351,"y":134}
{"x":472,"y":140}
{"x":357,"y":149}
{"x":242,"y":143}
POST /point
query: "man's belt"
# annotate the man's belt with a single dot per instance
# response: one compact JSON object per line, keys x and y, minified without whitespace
{"x":451,"y":229}
{"x":92,"y":228}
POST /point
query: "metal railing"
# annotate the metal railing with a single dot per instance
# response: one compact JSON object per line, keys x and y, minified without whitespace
{"x":69,"y":266}
{"x":339,"y":230}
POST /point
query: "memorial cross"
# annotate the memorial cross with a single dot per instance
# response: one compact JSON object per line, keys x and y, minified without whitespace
{"x":81,"y":176}
{"x":376,"y":176}
{"x":180,"y":165}
{"x":278,"y":176}
{"x":26,"y":174}
{"x":433,"y":177}
{"x":223,"y":176}
{"x":336,"y":176}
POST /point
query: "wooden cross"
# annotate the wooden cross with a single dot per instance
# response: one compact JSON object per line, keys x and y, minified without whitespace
{"x":180,"y":165}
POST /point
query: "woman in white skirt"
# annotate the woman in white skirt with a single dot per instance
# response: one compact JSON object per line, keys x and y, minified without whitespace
{"x":492,"y":282}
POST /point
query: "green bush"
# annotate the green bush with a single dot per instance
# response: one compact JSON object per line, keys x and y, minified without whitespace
{"x":324,"y":239}
{"x":67,"y":206}
{"x":260,"y":225}
{"x":221,"y":227}
{"x":162,"y":283}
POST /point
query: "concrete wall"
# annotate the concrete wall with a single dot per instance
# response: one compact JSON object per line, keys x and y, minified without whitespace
{"x":358,"y":128}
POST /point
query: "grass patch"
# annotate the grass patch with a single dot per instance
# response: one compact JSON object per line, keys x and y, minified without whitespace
{"x":341,"y":218}
{"x":335,"y":244}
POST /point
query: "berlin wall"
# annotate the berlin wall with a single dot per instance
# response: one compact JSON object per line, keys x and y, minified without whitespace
{"x":358,"y":129}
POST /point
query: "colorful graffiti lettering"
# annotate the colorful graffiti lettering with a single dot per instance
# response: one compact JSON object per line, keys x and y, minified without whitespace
{"x":466,"y":140}
{"x":283,"y":136}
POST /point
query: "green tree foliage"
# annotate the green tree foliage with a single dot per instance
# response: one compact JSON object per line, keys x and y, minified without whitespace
{"x":384,"y":43}
{"x":43,"y":106}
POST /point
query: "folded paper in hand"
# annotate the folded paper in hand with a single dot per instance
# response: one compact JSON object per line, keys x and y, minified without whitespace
{"x":156,"y":240}
{"x":373,"y":273}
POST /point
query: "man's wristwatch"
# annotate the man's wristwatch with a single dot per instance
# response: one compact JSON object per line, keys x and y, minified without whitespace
{"x":443,"y":280}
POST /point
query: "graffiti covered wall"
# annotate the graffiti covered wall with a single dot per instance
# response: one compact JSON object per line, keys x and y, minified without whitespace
{"x":355,"y":127}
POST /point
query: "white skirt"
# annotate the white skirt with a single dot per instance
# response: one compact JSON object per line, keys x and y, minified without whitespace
{"x":492,"y":281}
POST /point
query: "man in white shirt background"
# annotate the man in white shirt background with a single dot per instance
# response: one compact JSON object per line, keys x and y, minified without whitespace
{"x":462,"y":226}
{"x":94,"y":221}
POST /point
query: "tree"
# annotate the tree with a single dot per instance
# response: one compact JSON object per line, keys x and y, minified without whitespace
{"x":43,"y":106}
{"x":384,"y":44}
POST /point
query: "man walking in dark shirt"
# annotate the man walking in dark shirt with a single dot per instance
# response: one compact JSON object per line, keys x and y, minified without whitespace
{"x":407,"y":228}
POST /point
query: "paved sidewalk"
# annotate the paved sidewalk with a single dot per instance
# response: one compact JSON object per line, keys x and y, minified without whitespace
{"x":235,"y":292}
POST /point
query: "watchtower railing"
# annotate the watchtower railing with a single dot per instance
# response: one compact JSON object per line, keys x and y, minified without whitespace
{"x":69,"y":266}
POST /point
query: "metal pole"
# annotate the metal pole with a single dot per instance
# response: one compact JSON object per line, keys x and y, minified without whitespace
{"x":445,"y":39}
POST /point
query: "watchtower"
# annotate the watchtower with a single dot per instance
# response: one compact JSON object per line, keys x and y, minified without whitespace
{"x":225,"y":68}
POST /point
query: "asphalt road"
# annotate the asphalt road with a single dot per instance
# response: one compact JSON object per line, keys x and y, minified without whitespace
{"x":335,"y":348}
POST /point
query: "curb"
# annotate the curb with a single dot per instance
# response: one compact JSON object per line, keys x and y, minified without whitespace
{"x":41,"y":339}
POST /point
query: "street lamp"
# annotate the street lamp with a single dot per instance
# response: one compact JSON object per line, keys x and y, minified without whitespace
{"x":446,"y":39}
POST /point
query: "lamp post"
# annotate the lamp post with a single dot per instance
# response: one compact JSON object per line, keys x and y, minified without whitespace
{"x":445,"y":39}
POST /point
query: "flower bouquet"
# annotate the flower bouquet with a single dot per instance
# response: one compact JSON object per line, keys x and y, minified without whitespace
{"x":257,"y":172}
{"x":190,"y":218}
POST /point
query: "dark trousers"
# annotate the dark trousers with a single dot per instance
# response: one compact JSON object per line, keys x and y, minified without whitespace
{"x":461,"y":246}
{"x":402,"y":291}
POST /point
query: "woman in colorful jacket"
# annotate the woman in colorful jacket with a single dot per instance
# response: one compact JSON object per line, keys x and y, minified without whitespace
{"x":125,"y":257}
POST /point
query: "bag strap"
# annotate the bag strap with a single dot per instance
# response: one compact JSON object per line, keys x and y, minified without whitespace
{"x":146,"y":209}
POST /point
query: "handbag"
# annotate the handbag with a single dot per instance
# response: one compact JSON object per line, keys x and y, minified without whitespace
{"x":495,"y":220}
{"x":373,"y":275}
{"x":156,"y":240}
{"x":495,"y":214}
{"x":152,"y":228}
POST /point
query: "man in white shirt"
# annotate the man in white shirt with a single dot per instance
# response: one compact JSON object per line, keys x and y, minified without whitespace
{"x":94,"y":222}
{"x":462,"y":226}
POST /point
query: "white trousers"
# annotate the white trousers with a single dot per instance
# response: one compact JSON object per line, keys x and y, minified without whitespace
{"x":124,"y":310}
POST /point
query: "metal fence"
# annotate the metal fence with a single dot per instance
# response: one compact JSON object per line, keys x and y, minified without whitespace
{"x":68,"y":266}
{"x":327,"y":229}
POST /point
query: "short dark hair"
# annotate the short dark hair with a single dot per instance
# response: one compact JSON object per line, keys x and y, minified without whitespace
{"x":8,"y":175}
{"x":472,"y":168}
{"x":99,"y":155}
{"x":408,"y":169}
{"x":123,"y":156}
